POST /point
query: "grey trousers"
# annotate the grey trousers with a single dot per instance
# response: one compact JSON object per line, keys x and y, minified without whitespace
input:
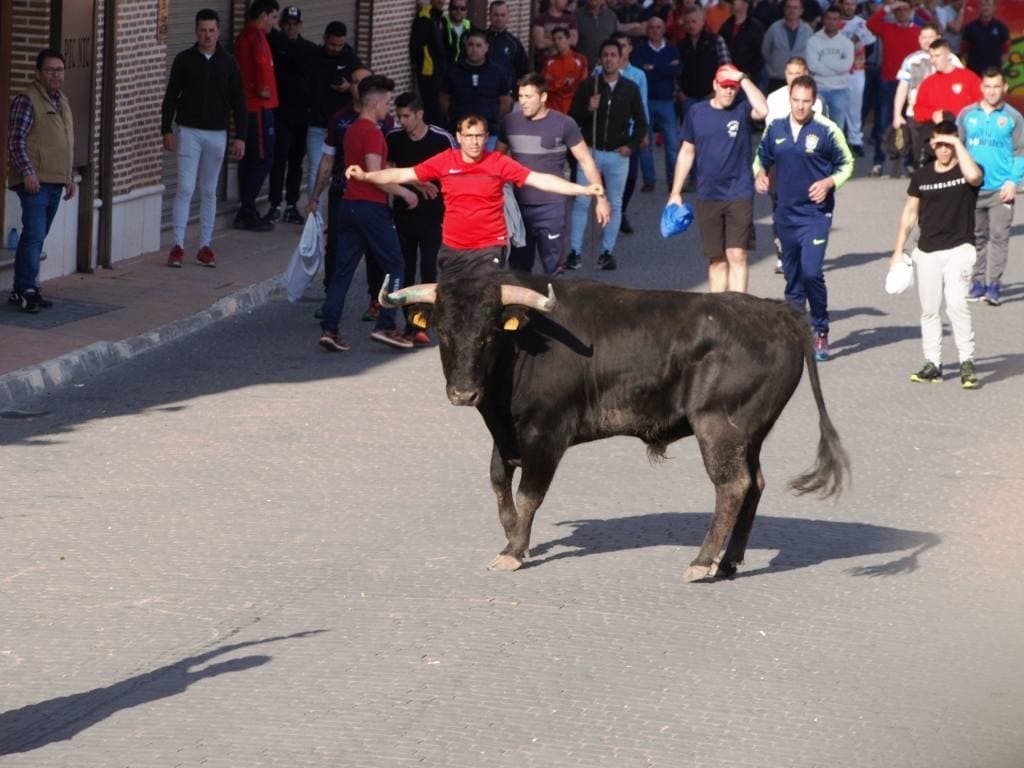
{"x":992,"y":220}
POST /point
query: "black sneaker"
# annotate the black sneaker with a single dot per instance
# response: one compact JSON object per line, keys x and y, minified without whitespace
{"x":273,"y":215}
{"x":968,"y":378}
{"x":929,"y":373}
{"x":857,"y":149}
{"x":30,"y":302}
{"x":606,"y":261}
{"x":292,"y":216}
{"x":625,"y":227}
{"x":14,"y":298}
{"x":252,"y":224}
{"x":573,"y":260}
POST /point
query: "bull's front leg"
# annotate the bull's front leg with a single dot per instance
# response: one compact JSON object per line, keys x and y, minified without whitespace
{"x":538,"y":468}
{"x":501,"y":483}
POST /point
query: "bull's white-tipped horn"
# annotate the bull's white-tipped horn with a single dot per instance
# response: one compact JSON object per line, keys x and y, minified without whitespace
{"x":517,"y":294}
{"x":425,"y":293}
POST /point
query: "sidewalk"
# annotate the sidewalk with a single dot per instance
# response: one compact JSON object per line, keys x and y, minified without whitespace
{"x":104,"y":318}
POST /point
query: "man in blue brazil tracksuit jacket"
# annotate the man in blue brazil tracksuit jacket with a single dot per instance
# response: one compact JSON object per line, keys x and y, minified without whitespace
{"x":811,"y":160}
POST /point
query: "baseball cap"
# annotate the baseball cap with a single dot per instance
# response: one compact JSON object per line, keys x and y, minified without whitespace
{"x":724,"y":77}
{"x":292,"y":13}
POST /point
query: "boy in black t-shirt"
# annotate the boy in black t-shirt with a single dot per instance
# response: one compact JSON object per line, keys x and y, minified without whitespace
{"x":419,"y":228}
{"x":941,"y":198}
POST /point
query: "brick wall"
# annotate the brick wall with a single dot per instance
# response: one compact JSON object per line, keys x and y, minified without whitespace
{"x":30,"y":33}
{"x":139,"y":86}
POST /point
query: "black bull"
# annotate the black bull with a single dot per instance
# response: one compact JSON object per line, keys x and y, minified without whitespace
{"x":592,"y":361}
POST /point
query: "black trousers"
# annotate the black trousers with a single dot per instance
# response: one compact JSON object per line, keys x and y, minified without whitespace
{"x":289,"y":151}
{"x":430,"y":91}
{"x":259,"y":156}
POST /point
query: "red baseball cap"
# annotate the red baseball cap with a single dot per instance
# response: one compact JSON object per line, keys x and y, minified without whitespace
{"x":725,"y":78}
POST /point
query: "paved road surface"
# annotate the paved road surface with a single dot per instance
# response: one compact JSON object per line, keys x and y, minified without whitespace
{"x":239,"y":551}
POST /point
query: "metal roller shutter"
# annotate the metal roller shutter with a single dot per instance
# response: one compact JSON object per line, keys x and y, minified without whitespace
{"x":181,"y":34}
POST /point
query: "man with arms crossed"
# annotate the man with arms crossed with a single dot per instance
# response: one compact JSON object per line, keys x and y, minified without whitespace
{"x":472,"y":180}
{"x":719,"y":129}
{"x":993,"y":133}
{"x":203,"y":92}
{"x":538,"y":138}
{"x":941,"y":199}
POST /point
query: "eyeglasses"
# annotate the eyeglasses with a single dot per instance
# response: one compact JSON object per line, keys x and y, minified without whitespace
{"x":53,"y":70}
{"x":473,"y":136}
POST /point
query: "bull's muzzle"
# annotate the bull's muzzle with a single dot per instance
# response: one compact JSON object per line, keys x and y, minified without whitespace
{"x":468,"y":397}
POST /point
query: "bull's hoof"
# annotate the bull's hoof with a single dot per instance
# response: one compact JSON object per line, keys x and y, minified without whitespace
{"x":699,"y":572}
{"x":505,"y":563}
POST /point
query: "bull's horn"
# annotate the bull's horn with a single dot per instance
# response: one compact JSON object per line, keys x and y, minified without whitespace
{"x":517,"y":294}
{"x":425,"y":293}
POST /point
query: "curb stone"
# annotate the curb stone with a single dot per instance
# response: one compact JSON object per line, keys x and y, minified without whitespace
{"x":73,"y":367}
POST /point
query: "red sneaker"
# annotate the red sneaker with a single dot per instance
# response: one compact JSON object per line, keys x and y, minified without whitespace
{"x":419,"y":338}
{"x":392,"y":337}
{"x":331,"y":341}
{"x":372,"y":311}
{"x":206,"y":257}
{"x":175,"y":257}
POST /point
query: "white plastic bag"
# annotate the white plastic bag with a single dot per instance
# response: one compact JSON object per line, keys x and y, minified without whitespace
{"x":306,"y":258}
{"x":900,"y":276}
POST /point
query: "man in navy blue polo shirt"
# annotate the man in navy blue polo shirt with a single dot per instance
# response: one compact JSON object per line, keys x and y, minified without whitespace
{"x":719,"y":129}
{"x":475,"y":86}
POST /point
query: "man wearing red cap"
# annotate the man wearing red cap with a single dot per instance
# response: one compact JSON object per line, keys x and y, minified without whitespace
{"x":720,"y":129}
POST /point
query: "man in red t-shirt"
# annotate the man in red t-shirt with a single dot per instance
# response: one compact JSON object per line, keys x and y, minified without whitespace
{"x":257,"y":65}
{"x":364,"y":217}
{"x":472,"y":179}
{"x":948,"y":89}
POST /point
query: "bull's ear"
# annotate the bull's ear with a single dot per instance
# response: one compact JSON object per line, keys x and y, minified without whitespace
{"x":514,"y":317}
{"x":420,"y":316}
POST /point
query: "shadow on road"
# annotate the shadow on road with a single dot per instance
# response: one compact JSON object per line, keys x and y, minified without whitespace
{"x":800,"y":543}
{"x":847,"y":260}
{"x":36,"y":725}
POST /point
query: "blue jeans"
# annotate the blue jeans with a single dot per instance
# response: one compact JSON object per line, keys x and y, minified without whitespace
{"x":614,"y":168}
{"x":363,"y":226}
{"x":315,"y":150}
{"x":254,"y":168}
{"x":663,"y":118}
{"x":803,"y":258}
{"x":37,"y":212}
{"x":836,"y":101}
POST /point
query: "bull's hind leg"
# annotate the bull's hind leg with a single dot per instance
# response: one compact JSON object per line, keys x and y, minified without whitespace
{"x":725,"y":459}
{"x":538,"y":469}
{"x":737,"y":548}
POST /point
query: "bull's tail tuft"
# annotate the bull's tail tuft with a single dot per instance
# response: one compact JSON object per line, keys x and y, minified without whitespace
{"x":832,"y":467}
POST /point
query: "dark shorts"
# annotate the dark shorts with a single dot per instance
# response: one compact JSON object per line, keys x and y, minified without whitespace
{"x":726,"y":224}
{"x":453,"y":262}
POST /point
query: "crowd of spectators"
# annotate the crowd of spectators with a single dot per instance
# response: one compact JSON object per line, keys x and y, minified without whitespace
{"x":591,"y":94}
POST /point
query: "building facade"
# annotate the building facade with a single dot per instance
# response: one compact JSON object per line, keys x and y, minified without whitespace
{"x":118,"y":153}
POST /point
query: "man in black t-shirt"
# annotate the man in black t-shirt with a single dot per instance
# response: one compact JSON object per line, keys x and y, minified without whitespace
{"x":419,"y":229}
{"x":941,"y":199}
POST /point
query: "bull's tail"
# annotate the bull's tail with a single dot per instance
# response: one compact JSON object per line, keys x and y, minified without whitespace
{"x":832,"y":467}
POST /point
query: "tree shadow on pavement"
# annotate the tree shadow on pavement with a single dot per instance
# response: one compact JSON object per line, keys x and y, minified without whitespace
{"x":36,"y":725}
{"x":800,"y":543}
